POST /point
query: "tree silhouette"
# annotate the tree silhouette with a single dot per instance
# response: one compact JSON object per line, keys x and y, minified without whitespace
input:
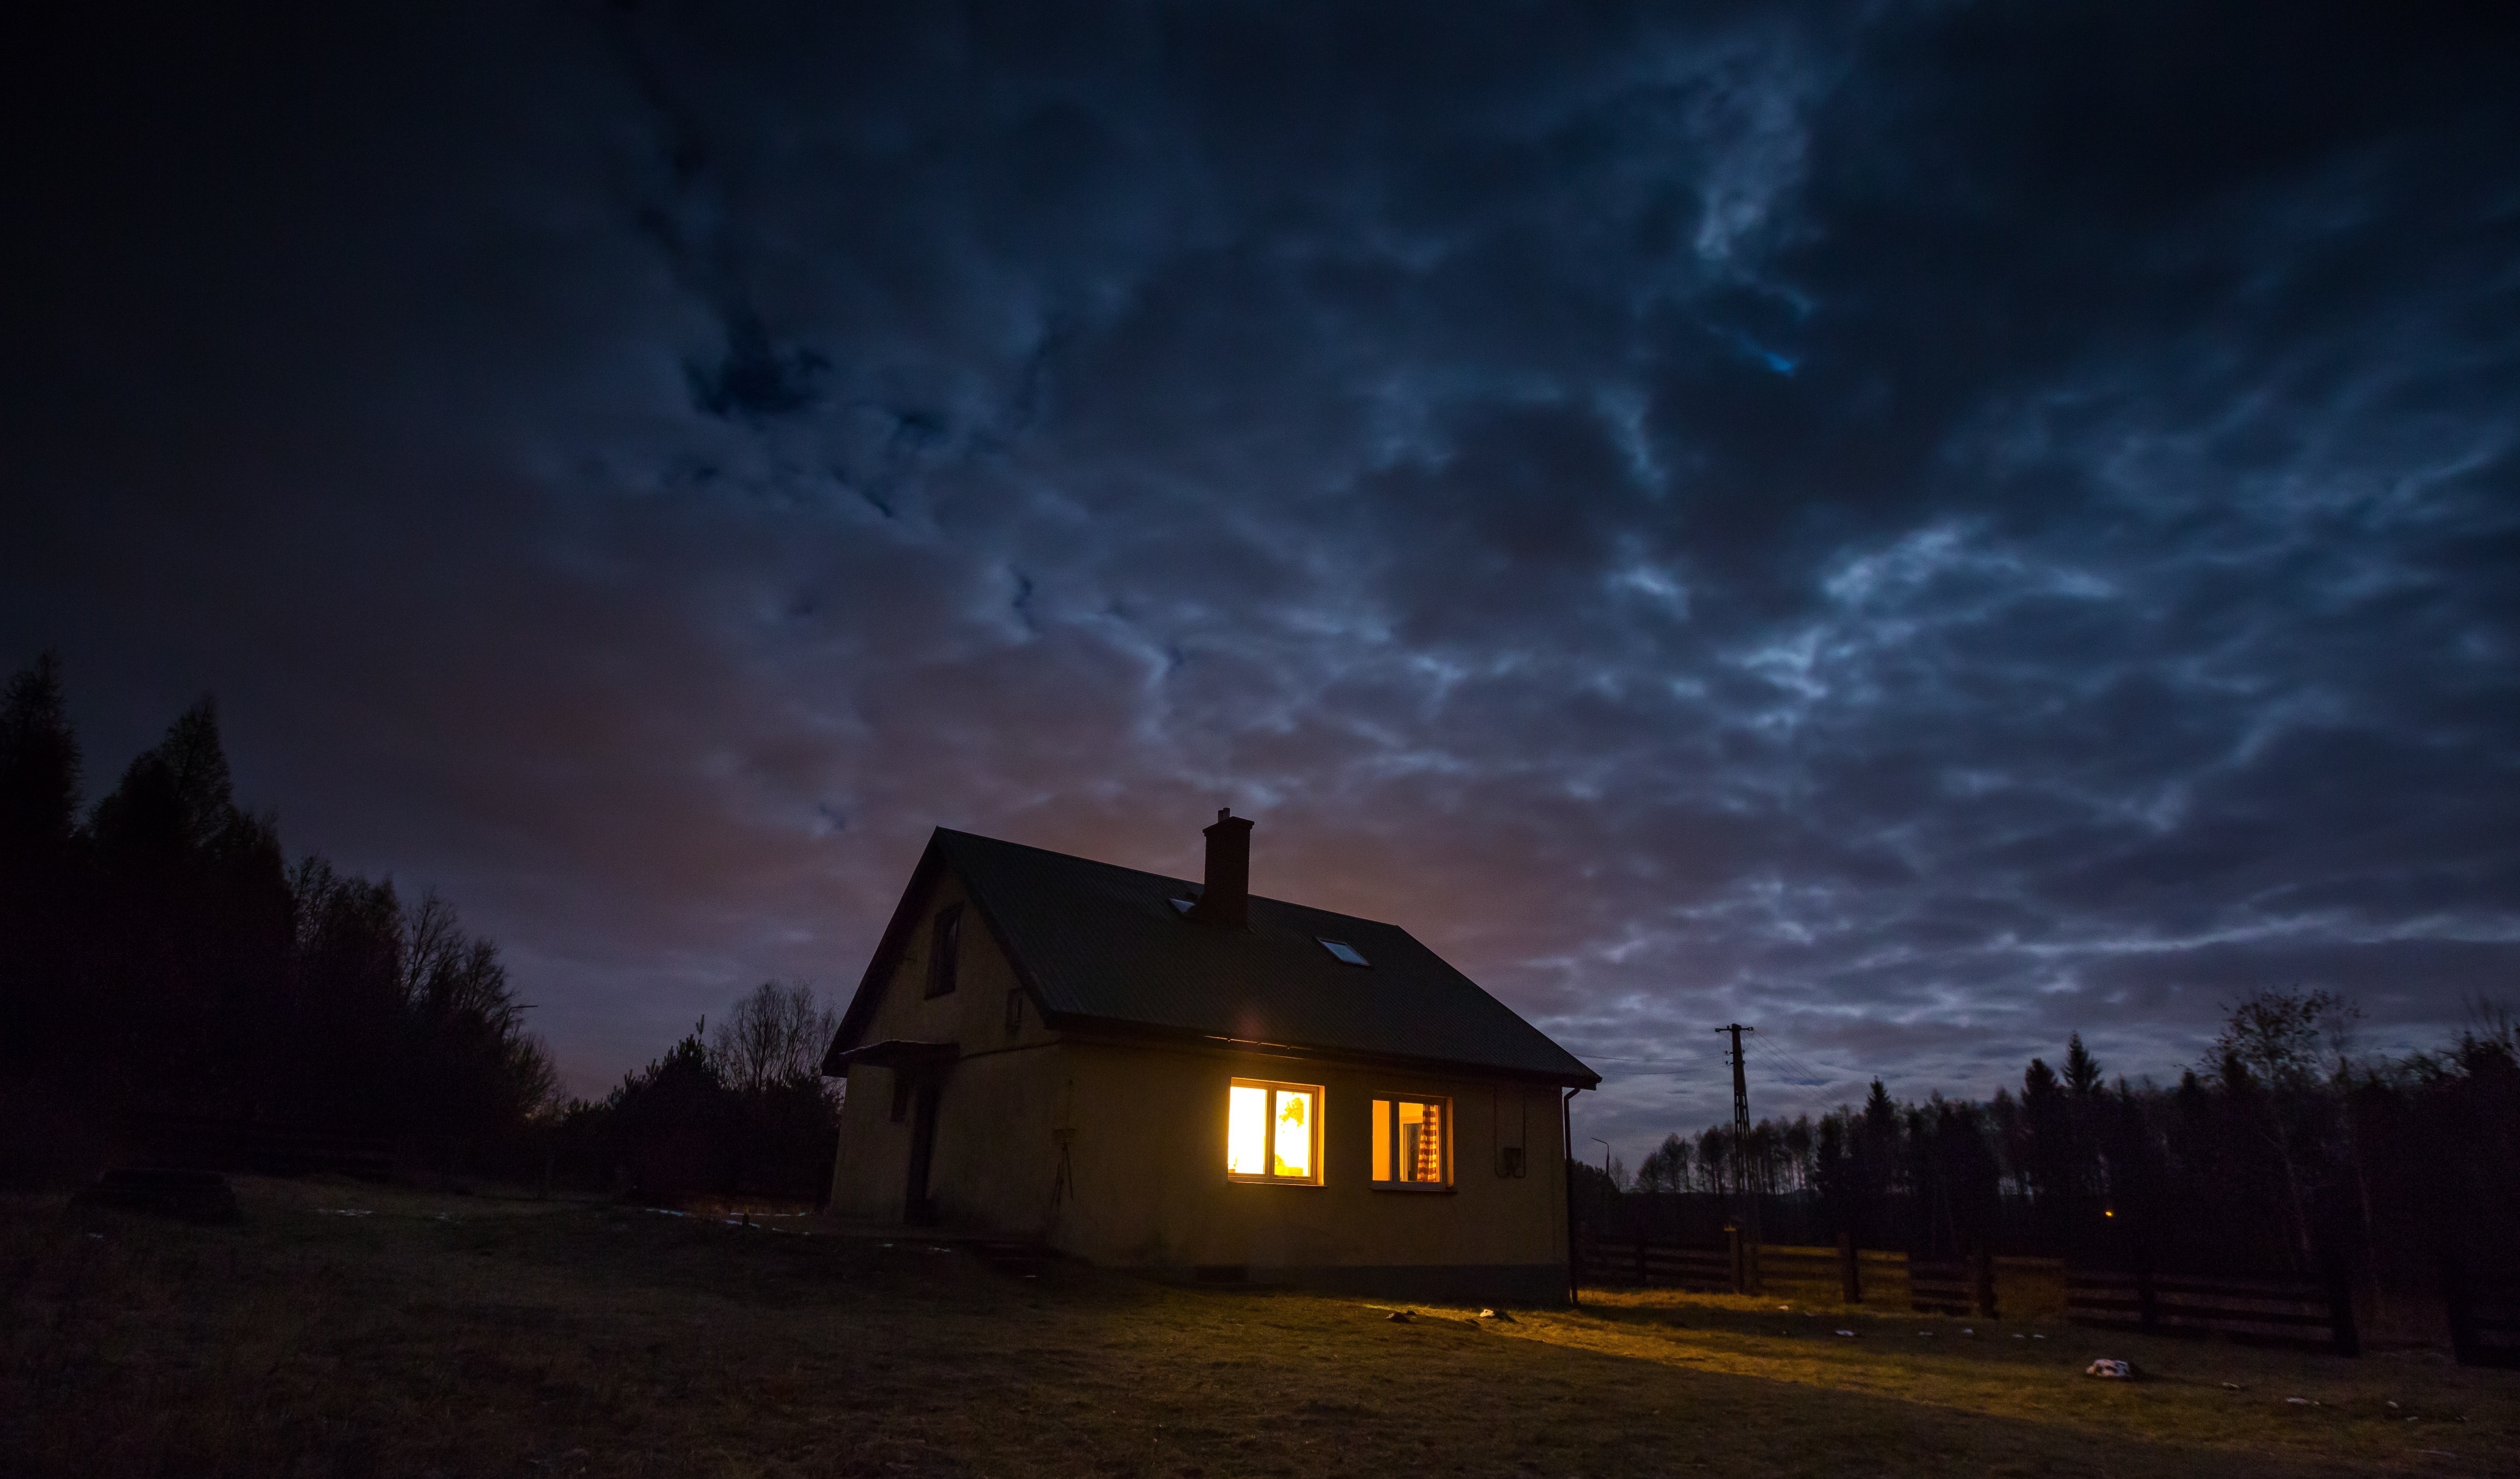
{"x":163,"y":958}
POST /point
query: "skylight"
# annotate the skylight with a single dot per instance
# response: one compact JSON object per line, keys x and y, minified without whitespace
{"x":1344,"y":952}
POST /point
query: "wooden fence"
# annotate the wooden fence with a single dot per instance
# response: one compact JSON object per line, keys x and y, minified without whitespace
{"x":2304,"y":1311}
{"x":2484,"y":1320}
{"x":209,"y":1144}
{"x":2307,"y":1313}
{"x":1842,"y":1275}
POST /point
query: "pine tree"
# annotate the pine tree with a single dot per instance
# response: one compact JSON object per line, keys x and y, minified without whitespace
{"x":42,"y":867}
{"x":2082,"y":1071}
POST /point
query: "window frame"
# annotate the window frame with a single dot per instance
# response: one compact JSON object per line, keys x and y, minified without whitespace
{"x":944,"y":950}
{"x":1386,"y":1116}
{"x":1269,"y":1148}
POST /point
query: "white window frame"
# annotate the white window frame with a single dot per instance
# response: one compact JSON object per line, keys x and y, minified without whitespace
{"x":1386,"y":1112}
{"x":1269,"y":1120}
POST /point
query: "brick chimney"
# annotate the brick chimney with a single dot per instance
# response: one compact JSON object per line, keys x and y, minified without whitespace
{"x":1226,"y":899}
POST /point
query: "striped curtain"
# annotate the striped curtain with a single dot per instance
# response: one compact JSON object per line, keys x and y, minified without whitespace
{"x":1430,"y":1146}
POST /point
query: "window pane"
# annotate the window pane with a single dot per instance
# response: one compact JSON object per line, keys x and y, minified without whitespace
{"x":1247,"y":1131}
{"x":1382,"y":1140}
{"x":1429,"y":1163}
{"x":1294,"y":1137}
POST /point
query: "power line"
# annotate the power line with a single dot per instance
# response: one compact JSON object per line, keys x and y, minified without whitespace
{"x":1776,"y":1058}
{"x":1793,"y":1063}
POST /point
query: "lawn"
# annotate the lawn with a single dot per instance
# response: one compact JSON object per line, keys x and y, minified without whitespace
{"x":484,"y":1335}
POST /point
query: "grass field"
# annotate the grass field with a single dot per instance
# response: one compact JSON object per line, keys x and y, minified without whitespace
{"x":478,"y":1335}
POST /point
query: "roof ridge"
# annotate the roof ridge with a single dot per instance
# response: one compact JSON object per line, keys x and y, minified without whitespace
{"x":1144,"y":873}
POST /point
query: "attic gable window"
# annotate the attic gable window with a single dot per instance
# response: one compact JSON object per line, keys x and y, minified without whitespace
{"x":1344,"y":952}
{"x":944,"y":950}
{"x":1273,"y":1133}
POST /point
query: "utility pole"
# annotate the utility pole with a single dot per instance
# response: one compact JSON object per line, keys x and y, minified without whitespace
{"x":1741,"y":1153}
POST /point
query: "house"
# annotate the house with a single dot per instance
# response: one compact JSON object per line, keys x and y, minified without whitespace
{"x":1197,"y":1082}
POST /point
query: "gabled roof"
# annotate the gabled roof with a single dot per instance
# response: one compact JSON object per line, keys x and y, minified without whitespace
{"x":1103,"y":948}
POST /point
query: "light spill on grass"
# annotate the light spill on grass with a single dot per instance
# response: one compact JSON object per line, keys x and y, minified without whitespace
{"x":2376,"y":1412}
{"x":485,"y":1336}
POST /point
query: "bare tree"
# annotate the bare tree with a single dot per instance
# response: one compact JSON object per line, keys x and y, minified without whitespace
{"x":774,"y":1034}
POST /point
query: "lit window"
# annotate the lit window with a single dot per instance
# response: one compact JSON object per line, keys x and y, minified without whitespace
{"x":1412,"y":1142}
{"x":1273,"y":1132}
{"x":1347,"y":954}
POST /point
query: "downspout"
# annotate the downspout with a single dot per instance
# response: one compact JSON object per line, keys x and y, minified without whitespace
{"x":1566,"y":1173}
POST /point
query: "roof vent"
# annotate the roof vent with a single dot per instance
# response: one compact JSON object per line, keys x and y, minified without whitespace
{"x":1226,"y":899}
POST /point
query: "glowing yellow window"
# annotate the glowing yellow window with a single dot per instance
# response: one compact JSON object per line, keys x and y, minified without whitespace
{"x":1273,"y":1132}
{"x":1412,"y":1142}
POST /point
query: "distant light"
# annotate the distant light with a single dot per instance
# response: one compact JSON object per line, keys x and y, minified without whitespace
{"x":2108,"y":1212}
{"x":1343,"y":951}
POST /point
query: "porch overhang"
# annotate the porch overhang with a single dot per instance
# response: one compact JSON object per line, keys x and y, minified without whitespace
{"x":900,"y":1055}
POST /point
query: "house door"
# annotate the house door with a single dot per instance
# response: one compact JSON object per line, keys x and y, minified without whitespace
{"x":917,"y":1209}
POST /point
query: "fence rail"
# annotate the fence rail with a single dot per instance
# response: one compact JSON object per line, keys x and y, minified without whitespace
{"x":2288,"y":1311}
{"x":228,"y":1144}
{"x":1955,"y":1286}
{"x":2302,"y":1311}
{"x":2484,"y":1321}
{"x":1819,"y":1274}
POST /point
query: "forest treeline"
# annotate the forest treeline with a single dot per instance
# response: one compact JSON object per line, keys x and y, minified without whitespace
{"x":162,"y":957}
{"x":163,"y":963}
{"x":2282,"y":1149}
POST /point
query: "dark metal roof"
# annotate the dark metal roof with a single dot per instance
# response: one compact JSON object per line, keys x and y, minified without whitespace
{"x":1103,"y":945}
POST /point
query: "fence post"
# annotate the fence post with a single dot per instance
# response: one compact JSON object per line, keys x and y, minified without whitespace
{"x":2340,"y":1305}
{"x":2462,"y":1311}
{"x":1642,"y":1279}
{"x":1732,"y":1251}
{"x":2147,"y":1317}
{"x":1986,"y":1284}
{"x":1850,"y":1278}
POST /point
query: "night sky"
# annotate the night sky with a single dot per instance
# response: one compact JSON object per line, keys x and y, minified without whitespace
{"x":1922,"y":528}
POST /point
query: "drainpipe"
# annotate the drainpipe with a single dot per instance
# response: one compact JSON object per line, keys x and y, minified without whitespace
{"x":1566,"y":1126}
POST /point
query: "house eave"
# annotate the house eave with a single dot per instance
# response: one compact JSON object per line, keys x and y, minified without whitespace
{"x":1145,"y":1034}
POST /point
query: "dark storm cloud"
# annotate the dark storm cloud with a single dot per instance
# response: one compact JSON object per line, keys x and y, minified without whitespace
{"x":1924,"y":530}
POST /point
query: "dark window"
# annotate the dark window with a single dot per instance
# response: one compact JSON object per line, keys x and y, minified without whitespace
{"x":943,"y":949}
{"x":900,"y":1096}
{"x":1014,"y":1012}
